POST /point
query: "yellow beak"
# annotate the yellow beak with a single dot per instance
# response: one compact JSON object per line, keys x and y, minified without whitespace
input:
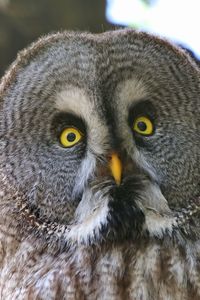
{"x":115,"y":166}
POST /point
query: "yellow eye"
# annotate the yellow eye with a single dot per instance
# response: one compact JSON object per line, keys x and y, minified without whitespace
{"x":70,"y":136}
{"x":143,"y":125}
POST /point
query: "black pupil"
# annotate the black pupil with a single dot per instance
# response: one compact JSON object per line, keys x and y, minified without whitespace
{"x":142,"y":126}
{"x":71,"y":137}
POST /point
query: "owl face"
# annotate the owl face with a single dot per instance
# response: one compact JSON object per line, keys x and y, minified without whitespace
{"x":100,"y":133}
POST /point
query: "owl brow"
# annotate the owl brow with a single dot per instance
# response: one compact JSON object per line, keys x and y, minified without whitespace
{"x":142,"y":107}
{"x":75,"y":101}
{"x":62,"y":119}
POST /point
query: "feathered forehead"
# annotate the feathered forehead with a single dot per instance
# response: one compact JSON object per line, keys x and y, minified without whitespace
{"x":102,"y":42}
{"x":24,"y":56}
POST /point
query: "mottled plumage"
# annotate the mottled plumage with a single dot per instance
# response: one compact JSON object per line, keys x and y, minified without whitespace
{"x":68,"y":230}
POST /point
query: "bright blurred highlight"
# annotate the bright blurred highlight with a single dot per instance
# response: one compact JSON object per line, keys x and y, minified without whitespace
{"x":177,"y":20}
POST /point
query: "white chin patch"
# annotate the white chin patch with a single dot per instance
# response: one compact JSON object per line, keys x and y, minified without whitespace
{"x":90,"y":217}
{"x":90,"y":228}
{"x":157,"y":225}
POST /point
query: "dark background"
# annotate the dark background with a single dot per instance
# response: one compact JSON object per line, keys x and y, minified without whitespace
{"x":23,"y":21}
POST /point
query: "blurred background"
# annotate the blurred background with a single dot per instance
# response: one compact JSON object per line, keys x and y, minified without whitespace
{"x":23,"y":21}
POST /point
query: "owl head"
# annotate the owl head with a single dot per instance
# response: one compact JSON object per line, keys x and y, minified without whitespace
{"x":99,"y":135}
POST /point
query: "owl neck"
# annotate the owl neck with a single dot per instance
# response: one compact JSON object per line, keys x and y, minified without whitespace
{"x":192,"y":210}
{"x":185,"y":221}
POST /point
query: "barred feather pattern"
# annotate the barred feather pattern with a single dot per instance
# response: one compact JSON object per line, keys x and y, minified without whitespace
{"x":67,"y":230}
{"x":166,"y":268}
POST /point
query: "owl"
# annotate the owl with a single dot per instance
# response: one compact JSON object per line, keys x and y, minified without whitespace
{"x":99,"y":170}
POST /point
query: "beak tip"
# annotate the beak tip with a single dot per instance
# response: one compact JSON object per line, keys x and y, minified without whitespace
{"x":118,"y":182}
{"x":116,"y":168}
